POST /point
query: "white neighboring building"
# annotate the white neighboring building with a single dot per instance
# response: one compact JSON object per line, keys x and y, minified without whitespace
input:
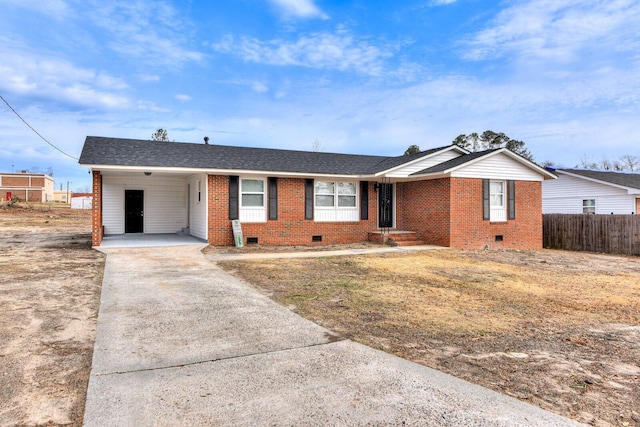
{"x":579,"y":191}
{"x":81,"y":201}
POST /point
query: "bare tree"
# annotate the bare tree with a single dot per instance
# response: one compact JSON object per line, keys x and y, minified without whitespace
{"x":626,"y":163}
{"x":317,"y":146}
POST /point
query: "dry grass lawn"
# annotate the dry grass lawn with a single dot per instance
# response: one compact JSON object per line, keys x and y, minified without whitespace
{"x":557,"y":329}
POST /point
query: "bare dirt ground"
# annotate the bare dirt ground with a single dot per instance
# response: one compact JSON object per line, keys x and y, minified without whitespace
{"x":50,"y":282}
{"x":560,"y":330}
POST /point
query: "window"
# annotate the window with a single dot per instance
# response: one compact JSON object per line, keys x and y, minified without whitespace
{"x":497,"y":201}
{"x":328,"y":192}
{"x":589,"y":206}
{"x":252,"y":203}
{"x":497,"y":194}
{"x":252,"y":193}
{"x":199,"y":191}
{"x":335,"y":201}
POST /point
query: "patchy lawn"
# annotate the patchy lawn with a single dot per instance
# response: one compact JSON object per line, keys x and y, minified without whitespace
{"x":50,"y":282}
{"x":559,"y":330}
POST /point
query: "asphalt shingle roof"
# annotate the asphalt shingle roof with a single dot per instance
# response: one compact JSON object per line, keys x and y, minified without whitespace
{"x":631,"y":180}
{"x":135,"y":152}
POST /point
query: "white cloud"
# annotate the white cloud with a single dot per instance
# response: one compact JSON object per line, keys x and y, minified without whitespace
{"x":260,"y":87}
{"x":300,"y":8}
{"x":51,"y":8}
{"x":558,"y":29}
{"x":183,"y":98}
{"x":24,"y":73}
{"x":149,"y":78}
{"x":149,"y":31}
{"x":331,"y":51}
{"x":441,"y":2}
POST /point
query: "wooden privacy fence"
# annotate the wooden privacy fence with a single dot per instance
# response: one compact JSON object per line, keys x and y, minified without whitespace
{"x":612,"y":234}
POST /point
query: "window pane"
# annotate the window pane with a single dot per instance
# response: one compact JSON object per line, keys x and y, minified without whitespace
{"x":324,"y":201}
{"x":253,"y":185}
{"x":346,"y":188}
{"x":496,"y":200}
{"x":347,"y":201}
{"x":589,"y":203}
{"x":325,"y":187}
{"x":496,"y":187}
{"x":252,"y":200}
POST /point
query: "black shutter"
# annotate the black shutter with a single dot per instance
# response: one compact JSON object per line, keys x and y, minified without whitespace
{"x":486,"y":204}
{"x":511,"y":199}
{"x":308,"y":199}
{"x":233,"y":198}
{"x":273,"y":198}
{"x":364,"y":200}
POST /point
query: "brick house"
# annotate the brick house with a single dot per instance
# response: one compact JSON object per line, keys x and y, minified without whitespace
{"x":444,"y":196}
{"x":30,"y":187}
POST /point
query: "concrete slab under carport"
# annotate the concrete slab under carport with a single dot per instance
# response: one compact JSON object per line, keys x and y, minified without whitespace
{"x":138,"y":240}
{"x":181,"y":342}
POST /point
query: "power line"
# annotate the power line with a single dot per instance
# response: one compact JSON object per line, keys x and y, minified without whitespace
{"x":36,"y":132}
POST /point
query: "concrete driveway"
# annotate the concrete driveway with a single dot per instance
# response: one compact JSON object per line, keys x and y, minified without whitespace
{"x":180,"y":342}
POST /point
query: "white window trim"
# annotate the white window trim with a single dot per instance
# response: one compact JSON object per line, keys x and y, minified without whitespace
{"x":336,"y":208}
{"x":253,"y":213}
{"x":498,"y":213}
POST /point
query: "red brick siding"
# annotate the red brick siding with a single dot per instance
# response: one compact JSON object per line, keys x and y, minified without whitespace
{"x":423,"y":207}
{"x":15,"y":181}
{"x":96,"y":214}
{"x":470,"y":231}
{"x":290,"y":228}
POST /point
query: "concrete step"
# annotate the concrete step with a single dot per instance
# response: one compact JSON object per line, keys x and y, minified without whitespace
{"x":408,"y":243}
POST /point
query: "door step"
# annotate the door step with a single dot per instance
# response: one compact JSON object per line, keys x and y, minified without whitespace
{"x":395,"y":238}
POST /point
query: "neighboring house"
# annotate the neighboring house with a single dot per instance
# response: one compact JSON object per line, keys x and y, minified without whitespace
{"x":30,"y":187}
{"x":591,"y":192}
{"x":62,"y":196}
{"x":81,"y":201}
{"x":443,"y":196}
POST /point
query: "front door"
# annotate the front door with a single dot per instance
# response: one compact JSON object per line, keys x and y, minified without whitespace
{"x":133,"y":211}
{"x":385,"y":205}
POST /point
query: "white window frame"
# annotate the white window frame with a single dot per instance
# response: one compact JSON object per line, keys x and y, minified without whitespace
{"x":336,"y":212}
{"x":252,"y":213}
{"x":589,"y":207}
{"x":498,"y":213}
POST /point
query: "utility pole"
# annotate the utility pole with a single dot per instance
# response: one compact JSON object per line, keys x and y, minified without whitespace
{"x":68,"y":198}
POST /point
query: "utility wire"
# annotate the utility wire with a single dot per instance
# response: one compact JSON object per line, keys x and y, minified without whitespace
{"x":36,"y":132}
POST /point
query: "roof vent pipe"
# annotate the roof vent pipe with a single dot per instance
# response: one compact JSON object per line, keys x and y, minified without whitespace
{"x":206,"y":140}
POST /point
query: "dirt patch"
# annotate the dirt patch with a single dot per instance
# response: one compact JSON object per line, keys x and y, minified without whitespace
{"x":49,"y":292}
{"x":559,"y":330}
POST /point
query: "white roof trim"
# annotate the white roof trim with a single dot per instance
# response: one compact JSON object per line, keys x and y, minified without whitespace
{"x":402,"y":165}
{"x":630,"y":190}
{"x":160,"y":169}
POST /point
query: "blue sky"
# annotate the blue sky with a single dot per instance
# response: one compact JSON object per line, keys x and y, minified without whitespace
{"x":367,"y":77}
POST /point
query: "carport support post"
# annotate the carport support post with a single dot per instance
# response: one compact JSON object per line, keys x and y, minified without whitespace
{"x":96,"y":211}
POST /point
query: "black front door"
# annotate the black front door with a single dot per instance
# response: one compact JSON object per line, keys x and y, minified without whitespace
{"x":385,"y":205}
{"x":133,"y":211}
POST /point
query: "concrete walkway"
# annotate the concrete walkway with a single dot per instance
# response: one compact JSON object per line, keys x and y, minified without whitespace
{"x":180,"y":342}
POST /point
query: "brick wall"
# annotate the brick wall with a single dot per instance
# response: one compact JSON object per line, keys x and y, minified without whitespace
{"x":96,"y":214}
{"x":290,"y":228}
{"x":15,"y":181}
{"x":470,"y":231}
{"x":423,"y":207}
